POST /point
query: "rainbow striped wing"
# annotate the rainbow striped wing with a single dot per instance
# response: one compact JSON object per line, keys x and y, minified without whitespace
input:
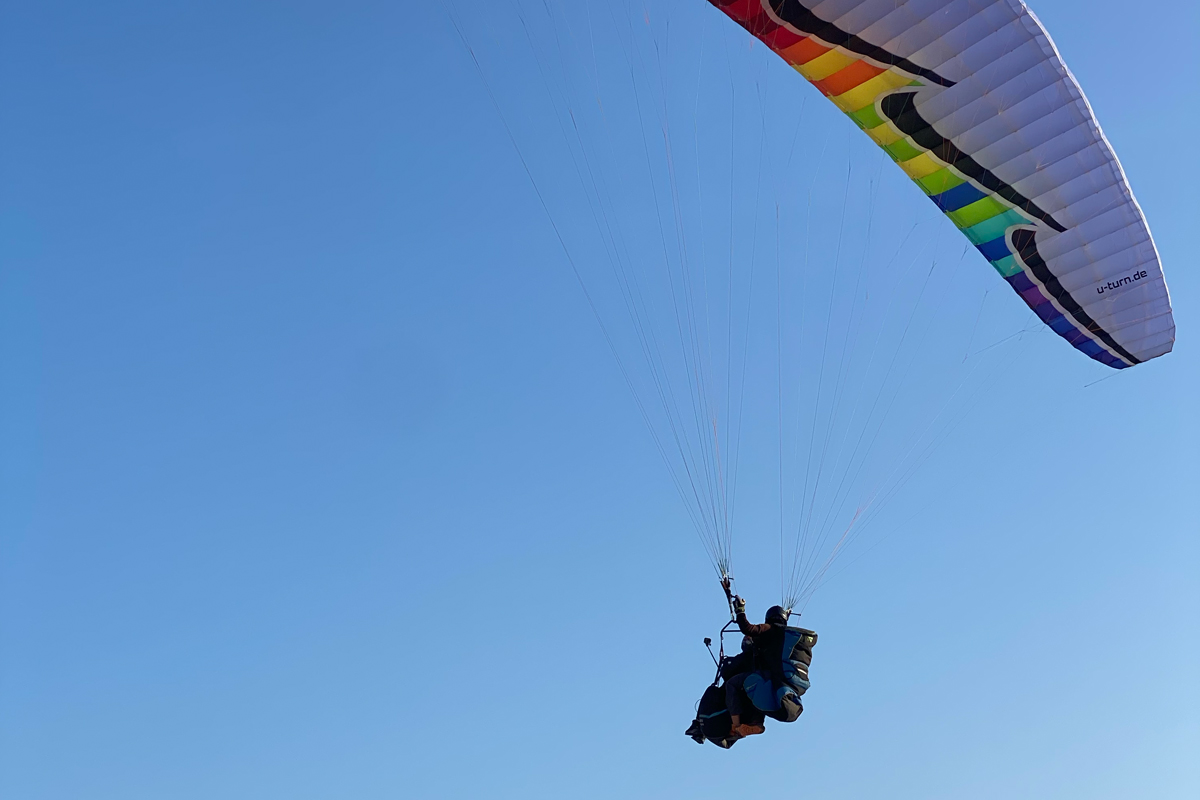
{"x":973,"y":101}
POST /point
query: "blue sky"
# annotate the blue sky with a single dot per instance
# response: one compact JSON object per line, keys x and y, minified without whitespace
{"x":318,"y":478}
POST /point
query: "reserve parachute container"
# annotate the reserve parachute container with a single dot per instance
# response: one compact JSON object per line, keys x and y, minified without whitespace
{"x":973,"y":101}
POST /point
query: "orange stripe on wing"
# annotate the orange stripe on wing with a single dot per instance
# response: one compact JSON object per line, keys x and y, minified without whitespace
{"x":803,"y":51}
{"x":847,"y":78}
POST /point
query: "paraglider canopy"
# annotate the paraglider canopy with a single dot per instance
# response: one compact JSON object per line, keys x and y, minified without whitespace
{"x":974,"y":103}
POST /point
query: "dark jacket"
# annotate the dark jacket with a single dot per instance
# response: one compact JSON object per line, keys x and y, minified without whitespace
{"x":736,"y":665}
{"x":768,"y":646}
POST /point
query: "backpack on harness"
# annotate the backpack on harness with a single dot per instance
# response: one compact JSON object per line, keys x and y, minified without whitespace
{"x":782,"y":701}
{"x":712,"y":721}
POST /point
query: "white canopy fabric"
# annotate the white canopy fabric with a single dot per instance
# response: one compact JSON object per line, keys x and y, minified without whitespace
{"x":973,"y":101}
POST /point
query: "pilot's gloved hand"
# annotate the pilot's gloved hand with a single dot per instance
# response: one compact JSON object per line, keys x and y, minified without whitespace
{"x":739,"y":605}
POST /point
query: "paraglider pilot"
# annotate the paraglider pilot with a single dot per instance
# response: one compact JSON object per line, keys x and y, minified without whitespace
{"x":766,"y":679}
{"x":767,"y":648}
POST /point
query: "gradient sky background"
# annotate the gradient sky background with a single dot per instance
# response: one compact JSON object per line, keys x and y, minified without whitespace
{"x":317,"y":479}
